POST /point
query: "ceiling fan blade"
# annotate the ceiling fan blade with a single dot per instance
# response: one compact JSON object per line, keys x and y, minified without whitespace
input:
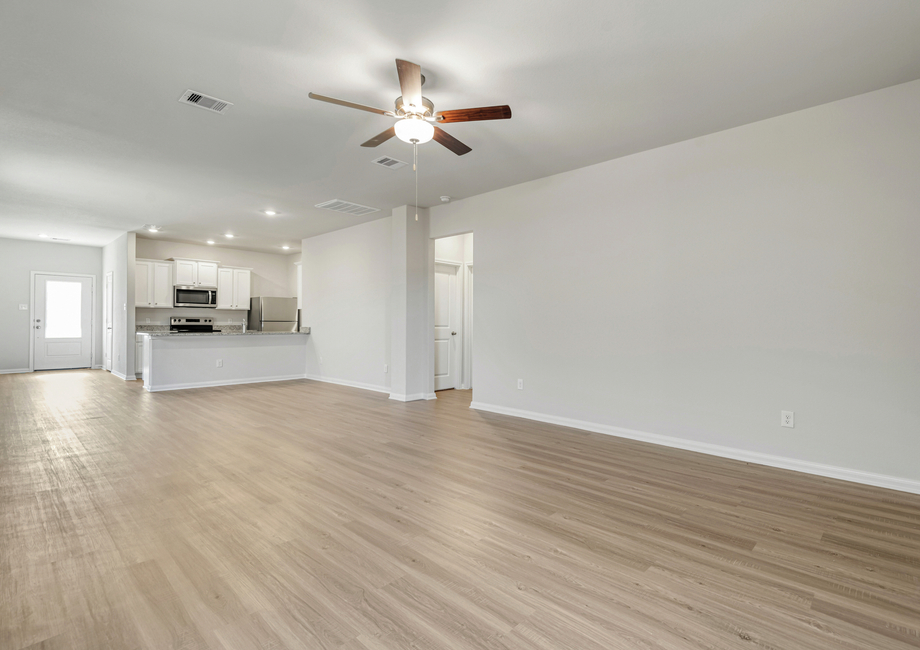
{"x":410,"y":83}
{"x":380,"y":138}
{"x":475,"y":114}
{"x":442,"y":137}
{"x":342,"y":102}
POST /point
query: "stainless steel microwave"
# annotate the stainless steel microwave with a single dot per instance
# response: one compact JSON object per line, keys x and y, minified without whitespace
{"x":187,"y":296}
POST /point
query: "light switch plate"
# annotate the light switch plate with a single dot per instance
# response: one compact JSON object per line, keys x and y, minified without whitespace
{"x":23,"y":308}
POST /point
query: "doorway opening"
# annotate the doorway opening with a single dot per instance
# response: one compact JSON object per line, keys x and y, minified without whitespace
{"x":453,"y":312}
{"x":62,"y":321}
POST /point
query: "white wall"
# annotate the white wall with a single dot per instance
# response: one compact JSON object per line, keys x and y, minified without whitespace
{"x":119,"y":258}
{"x":18,"y":258}
{"x":696,"y":290}
{"x":458,"y":248}
{"x":271,"y":273}
{"x":346,"y":302}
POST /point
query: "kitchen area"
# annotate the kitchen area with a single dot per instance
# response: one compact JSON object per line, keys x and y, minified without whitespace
{"x":199,"y":324}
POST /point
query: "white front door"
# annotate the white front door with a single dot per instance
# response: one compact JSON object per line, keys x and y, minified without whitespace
{"x":107,"y":316}
{"x":62,"y":323}
{"x":446,"y":326}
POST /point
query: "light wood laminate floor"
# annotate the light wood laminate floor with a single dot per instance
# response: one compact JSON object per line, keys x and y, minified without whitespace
{"x":308,"y":515}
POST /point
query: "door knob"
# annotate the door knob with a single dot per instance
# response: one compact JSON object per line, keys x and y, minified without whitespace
{"x":453,"y":334}
{"x":38,"y":327}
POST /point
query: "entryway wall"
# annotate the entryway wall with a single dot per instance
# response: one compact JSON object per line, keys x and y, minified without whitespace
{"x":458,"y":250}
{"x":18,"y":258}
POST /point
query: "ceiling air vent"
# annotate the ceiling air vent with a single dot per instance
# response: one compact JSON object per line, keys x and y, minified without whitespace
{"x":204,"y":101}
{"x":389,"y":163}
{"x":346,"y":207}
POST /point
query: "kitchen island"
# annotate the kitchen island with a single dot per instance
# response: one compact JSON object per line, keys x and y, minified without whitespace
{"x":177,"y":360}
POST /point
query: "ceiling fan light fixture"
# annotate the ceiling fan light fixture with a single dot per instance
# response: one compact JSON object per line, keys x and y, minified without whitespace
{"x":414,"y":129}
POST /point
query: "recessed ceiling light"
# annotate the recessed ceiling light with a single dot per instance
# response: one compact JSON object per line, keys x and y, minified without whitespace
{"x":151,"y":228}
{"x":270,"y":213}
{"x":210,"y":241}
{"x":43,"y":235}
{"x":228,"y":236}
{"x":285,"y":247}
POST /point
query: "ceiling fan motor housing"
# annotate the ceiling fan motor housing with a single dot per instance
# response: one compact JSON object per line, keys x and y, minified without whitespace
{"x":427,"y":107}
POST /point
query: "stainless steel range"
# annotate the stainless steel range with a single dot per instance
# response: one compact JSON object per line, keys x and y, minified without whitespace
{"x":199,"y":325}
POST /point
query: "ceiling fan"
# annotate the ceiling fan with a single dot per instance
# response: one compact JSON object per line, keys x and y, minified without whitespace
{"x":416,"y":115}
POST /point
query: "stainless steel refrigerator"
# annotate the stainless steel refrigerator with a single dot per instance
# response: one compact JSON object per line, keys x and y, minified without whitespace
{"x":273,"y":314}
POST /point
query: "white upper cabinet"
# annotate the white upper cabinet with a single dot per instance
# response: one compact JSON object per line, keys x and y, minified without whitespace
{"x":207,"y":274}
{"x":143,"y":283}
{"x":224,"y":288}
{"x":153,"y":285}
{"x":196,"y":273}
{"x":241,"y":288}
{"x":233,"y":288}
{"x":162,"y":284}
{"x":187,"y":273}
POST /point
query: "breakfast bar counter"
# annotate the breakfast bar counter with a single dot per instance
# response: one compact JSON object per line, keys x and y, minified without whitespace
{"x":177,"y":360}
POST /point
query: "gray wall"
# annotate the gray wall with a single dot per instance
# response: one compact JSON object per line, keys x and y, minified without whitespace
{"x":346,"y":302}
{"x":18,"y":258}
{"x":696,"y":290}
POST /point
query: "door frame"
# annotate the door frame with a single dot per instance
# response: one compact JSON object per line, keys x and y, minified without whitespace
{"x":92,"y":315}
{"x":466,"y":376}
{"x":108,"y":303}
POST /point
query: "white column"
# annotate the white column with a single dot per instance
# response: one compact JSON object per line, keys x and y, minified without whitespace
{"x":412,"y":306}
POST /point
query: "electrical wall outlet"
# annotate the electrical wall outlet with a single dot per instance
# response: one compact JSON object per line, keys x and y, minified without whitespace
{"x":520,"y":384}
{"x":23,"y":308}
{"x":787,"y":419}
{"x":220,"y":363}
{"x":386,"y":368}
{"x":320,"y":361}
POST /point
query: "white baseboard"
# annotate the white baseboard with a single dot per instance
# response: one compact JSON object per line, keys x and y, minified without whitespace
{"x":414,"y":397}
{"x":229,"y":382}
{"x":97,"y":367}
{"x":350,"y":384}
{"x":782,"y":462}
{"x":13,"y":371}
{"x":125,"y":377}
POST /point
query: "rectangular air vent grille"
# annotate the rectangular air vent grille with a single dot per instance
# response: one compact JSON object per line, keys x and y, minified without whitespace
{"x":389,"y":163}
{"x":354,"y":209}
{"x":204,"y":101}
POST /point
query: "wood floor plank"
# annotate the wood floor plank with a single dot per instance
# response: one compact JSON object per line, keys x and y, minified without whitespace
{"x":308,"y":515}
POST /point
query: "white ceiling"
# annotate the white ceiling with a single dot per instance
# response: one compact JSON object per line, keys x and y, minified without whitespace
{"x":93,"y":141}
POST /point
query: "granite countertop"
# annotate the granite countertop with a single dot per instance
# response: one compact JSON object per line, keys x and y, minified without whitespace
{"x":231,"y":333}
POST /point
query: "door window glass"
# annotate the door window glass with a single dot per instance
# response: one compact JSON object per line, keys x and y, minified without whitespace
{"x":63,"y":310}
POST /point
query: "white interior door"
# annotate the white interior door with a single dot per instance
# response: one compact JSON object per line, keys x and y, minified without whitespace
{"x":62,"y":322}
{"x":108,"y":316}
{"x":446,"y":326}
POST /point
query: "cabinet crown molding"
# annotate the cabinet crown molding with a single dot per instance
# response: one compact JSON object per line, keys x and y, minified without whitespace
{"x":190,"y":259}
